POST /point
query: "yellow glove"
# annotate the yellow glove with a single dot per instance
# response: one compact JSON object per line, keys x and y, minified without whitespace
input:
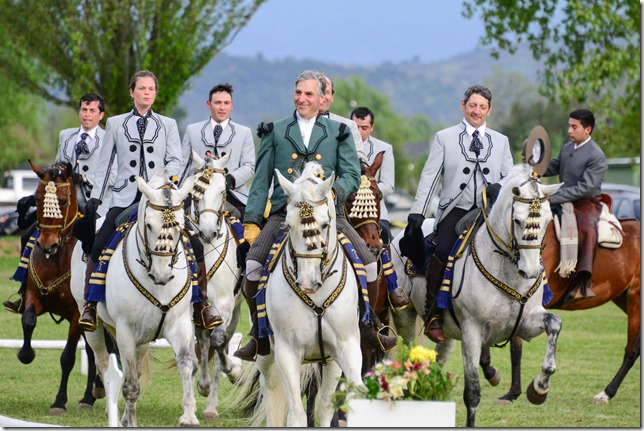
{"x":251,"y":232}
{"x":267,"y":209}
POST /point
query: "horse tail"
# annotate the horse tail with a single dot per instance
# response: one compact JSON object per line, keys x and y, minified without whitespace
{"x":245,"y":393}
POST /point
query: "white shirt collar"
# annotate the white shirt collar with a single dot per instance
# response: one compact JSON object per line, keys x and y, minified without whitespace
{"x":91,"y":133}
{"x":470,"y":129}
{"x":579,"y":145}
{"x":306,"y":127}
{"x":223,"y":124}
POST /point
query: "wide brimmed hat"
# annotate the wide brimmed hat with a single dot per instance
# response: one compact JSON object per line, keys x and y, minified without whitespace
{"x":537,"y":151}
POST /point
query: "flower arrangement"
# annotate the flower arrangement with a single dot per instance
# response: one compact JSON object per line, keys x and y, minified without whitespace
{"x":413,"y":374}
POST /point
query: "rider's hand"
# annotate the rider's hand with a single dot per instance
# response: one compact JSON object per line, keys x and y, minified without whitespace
{"x":230,"y":182}
{"x":412,"y":244}
{"x":251,"y":232}
{"x":91,"y":206}
{"x":77,"y":178}
{"x":242,"y":251}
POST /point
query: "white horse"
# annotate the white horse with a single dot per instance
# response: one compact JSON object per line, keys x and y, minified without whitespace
{"x":148,"y":292}
{"x":220,"y":255}
{"x":312,"y":305}
{"x":497,"y":287}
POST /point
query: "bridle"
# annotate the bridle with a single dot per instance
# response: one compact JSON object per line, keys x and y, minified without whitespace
{"x":532,"y":228}
{"x":165,"y":240}
{"x":51,"y":209}
{"x":201,"y":185}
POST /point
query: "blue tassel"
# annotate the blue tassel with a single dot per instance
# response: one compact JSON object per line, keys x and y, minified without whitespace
{"x":21,"y":272}
{"x":444,"y":300}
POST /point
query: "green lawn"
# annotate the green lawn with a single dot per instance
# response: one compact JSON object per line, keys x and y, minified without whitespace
{"x":589,"y":353}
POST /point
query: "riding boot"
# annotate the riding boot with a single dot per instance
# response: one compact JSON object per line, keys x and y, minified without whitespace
{"x":371,"y":335}
{"x":87,"y":320}
{"x":581,"y":287}
{"x":256,"y":345}
{"x":202,"y":316}
{"x":398,"y":300}
{"x":17,"y":306}
{"x":434,"y":316}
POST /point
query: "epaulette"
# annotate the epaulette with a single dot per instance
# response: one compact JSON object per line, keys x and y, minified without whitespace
{"x":344,"y":134}
{"x":263,"y":128}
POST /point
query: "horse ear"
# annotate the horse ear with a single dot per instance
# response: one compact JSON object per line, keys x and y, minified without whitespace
{"x":326,"y":185}
{"x":197,"y":160}
{"x":187,"y":186}
{"x":377,"y":163}
{"x":551,"y":189}
{"x":37,"y":169}
{"x":144,"y":187}
{"x":285,"y":183}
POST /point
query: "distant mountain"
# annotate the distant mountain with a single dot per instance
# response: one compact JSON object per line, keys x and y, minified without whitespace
{"x":264,"y":89}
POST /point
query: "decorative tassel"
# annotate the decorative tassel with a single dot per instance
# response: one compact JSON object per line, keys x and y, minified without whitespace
{"x":310,"y":228}
{"x":444,"y":300}
{"x":364,"y":205}
{"x":533,"y":224}
{"x":51,"y":207}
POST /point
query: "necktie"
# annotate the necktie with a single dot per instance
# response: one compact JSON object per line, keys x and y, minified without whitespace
{"x":326,"y":114}
{"x":142,"y":123}
{"x":81,"y":146}
{"x":476,"y":144}
{"x":217,"y":133}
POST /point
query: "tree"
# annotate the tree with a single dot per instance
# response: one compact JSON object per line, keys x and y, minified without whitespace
{"x":591,"y":53}
{"x":62,"y":49}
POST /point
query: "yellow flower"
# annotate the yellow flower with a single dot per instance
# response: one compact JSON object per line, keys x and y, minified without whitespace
{"x":419,"y":354}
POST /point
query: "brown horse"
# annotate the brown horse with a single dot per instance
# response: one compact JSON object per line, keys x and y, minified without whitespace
{"x":48,"y":274}
{"x":616,"y":278}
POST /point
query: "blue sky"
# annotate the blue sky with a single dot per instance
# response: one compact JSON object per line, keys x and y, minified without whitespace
{"x":358,"y":32}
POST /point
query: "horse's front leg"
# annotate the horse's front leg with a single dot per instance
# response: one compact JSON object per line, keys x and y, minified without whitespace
{"x":289,"y":366}
{"x":538,"y":389}
{"x":203,"y":340}
{"x":26,"y":354}
{"x":67,"y":361}
{"x":471,"y":350}
{"x":324,"y":406}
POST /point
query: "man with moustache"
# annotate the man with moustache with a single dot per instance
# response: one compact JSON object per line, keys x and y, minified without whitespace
{"x":467,"y":157}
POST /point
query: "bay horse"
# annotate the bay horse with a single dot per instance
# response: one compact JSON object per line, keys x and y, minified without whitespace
{"x":208,"y":216}
{"x":311,"y":302}
{"x":147,"y":294}
{"x":616,"y":278}
{"x":48,"y":277}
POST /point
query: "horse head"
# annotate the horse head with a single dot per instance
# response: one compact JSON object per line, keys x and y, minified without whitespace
{"x":209,"y":195}
{"x":363,"y":206}
{"x":521,"y":214}
{"x":310,"y":217}
{"x":56,"y":205}
{"x":160,"y":224}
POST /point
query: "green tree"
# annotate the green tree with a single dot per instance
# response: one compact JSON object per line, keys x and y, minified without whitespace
{"x":590,"y":52}
{"x":61,"y":49}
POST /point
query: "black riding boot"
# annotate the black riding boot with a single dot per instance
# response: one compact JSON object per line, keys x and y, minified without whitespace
{"x":87,"y":320}
{"x":434,"y":316}
{"x":202,"y":316}
{"x":256,"y":345}
{"x":17,"y":306}
{"x":370,"y":333}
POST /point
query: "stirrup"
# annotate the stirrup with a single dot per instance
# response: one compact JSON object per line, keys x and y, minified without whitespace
{"x":239,"y":347}
{"x":217,"y":320}
{"x":403,"y":307}
{"x":380,"y":329}
{"x":86,"y":324}
{"x":9,"y":305}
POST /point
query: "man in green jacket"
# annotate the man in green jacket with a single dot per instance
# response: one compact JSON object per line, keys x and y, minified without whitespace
{"x":287,"y":145}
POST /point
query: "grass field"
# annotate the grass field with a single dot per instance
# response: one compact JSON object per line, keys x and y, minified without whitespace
{"x":589,"y":353}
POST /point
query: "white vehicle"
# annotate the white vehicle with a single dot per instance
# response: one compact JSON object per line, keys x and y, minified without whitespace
{"x":17,"y":184}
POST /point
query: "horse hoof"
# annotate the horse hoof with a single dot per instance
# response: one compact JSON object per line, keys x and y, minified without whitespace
{"x":601,"y":398}
{"x":503,"y":403}
{"x":84,"y":406}
{"x":534,"y":397}
{"x":495,"y":379}
{"x":342,"y":424}
{"x":189,"y":423}
{"x":98,"y":393}
{"x":57,"y":411}
{"x":26,"y":356}
{"x":210,"y":416}
{"x":204,"y":390}
{"x":234,"y":374}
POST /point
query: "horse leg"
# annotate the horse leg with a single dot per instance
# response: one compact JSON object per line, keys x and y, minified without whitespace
{"x":26,"y":354}
{"x":203,"y":340}
{"x":324,"y":406}
{"x":405,"y":323}
{"x":444,"y":351}
{"x":272,"y":392}
{"x":131,"y":385}
{"x":88,"y":398}
{"x":471,"y":351}
{"x":289,"y":369}
{"x":516,"y":351}
{"x":491,"y":374}
{"x":538,"y":389}
{"x":630,"y":356}
{"x":186,"y":364}
{"x":67,"y":361}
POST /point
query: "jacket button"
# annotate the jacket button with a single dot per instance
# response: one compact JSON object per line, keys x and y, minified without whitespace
{"x":318,"y":157}
{"x":294,"y":156}
{"x":289,"y":170}
{"x":132,"y":178}
{"x":85,"y":168}
{"x":133,"y":148}
{"x":466,"y":171}
{"x":150,"y":149}
{"x":462,"y":186}
{"x":133,"y":163}
{"x":486,"y":171}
